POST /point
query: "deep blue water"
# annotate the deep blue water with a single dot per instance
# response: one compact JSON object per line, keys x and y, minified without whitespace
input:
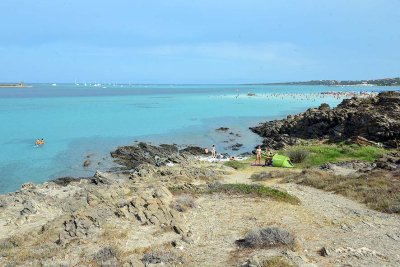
{"x":78,"y":120}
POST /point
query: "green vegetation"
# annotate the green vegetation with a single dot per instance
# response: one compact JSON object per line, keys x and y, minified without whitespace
{"x":320,"y":154}
{"x":379,"y":190}
{"x":253,"y":190}
{"x":237,"y":165}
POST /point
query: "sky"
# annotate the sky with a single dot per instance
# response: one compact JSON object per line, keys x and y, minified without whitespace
{"x":198,"y":41}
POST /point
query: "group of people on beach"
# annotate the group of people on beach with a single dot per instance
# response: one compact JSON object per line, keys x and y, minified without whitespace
{"x":268,"y":156}
{"x":39,"y":142}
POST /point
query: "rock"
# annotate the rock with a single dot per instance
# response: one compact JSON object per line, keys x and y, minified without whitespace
{"x":27,"y":186}
{"x":222,"y":129}
{"x":87,"y":163}
{"x":235,"y":147}
{"x":252,"y":262}
{"x":76,"y":227}
{"x":324,"y":252}
{"x":193,"y":150}
{"x":64,"y":181}
{"x":134,"y":156}
{"x":375,"y":118}
{"x":106,"y":257}
{"x":29,"y":208}
{"x":389,"y":161}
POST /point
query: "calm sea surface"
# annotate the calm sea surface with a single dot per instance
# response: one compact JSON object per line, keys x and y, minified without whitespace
{"x":78,"y":121}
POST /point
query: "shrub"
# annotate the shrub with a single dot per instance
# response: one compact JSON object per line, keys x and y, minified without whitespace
{"x":260,"y":176}
{"x":297,"y":154}
{"x":183,"y":203}
{"x":266,"y":238}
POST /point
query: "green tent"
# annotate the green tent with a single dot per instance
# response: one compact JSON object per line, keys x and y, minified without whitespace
{"x":281,"y":161}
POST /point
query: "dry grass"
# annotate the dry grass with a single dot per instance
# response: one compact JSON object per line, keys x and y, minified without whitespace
{"x":276,"y":262}
{"x":251,"y":190}
{"x":183,"y":203}
{"x":379,"y":190}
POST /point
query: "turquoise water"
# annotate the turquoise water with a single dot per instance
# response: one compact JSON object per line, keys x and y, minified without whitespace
{"x":77,"y":121}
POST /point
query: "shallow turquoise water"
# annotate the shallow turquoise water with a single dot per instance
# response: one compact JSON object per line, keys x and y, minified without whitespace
{"x":77,"y":121}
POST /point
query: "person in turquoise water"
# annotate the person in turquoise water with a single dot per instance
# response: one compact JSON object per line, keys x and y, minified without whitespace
{"x":39,"y":142}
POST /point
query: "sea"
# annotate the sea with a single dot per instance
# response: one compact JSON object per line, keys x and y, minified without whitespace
{"x":87,"y":121}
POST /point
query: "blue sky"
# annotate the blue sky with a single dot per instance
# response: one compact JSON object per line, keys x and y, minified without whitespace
{"x":208,"y":41}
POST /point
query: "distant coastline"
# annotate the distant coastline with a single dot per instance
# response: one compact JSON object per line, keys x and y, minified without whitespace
{"x":14,"y":85}
{"x":376,"y":82}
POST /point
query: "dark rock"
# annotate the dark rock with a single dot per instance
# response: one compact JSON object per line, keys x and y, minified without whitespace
{"x":106,"y":257}
{"x":390,"y":162}
{"x":235,"y":147}
{"x":222,"y":129}
{"x":193,"y":150}
{"x":87,"y":163}
{"x":64,"y":181}
{"x":76,"y":227}
{"x":3,"y":203}
{"x":375,"y":118}
{"x":29,"y":208}
{"x":133,"y":156}
{"x":324,"y":252}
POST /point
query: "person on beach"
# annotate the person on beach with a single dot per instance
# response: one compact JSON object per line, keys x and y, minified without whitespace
{"x":213,"y":151}
{"x":268,"y":158}
{"x":206,"y":151}
{"x":258,"y":155}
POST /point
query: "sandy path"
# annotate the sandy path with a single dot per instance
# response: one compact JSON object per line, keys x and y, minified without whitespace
{"x":352,"y":233}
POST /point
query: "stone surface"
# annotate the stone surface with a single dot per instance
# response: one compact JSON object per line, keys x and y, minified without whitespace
{"x":375,"y":118}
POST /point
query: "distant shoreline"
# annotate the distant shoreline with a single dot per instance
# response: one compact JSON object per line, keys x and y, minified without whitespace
{"x":14,"y":85}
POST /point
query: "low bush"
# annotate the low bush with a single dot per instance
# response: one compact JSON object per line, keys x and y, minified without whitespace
{"x":183,"y":203}
{"x":266,"y":238}
{"x":297,"y":154}
{"x":261,"y":176}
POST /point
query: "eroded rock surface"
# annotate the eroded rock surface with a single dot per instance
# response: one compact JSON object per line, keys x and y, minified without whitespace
{"x":375,"y":118}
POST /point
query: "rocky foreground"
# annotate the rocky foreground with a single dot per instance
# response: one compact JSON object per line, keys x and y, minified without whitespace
{"x":374,"y":118}
{"x":137,"y":217}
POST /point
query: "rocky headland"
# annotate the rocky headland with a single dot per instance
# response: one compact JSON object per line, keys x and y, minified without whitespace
{"x":375,"y":118}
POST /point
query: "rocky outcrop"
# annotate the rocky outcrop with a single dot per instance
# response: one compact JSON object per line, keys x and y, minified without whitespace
{"x":142,"y":153}
{"x":375,"y":118}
